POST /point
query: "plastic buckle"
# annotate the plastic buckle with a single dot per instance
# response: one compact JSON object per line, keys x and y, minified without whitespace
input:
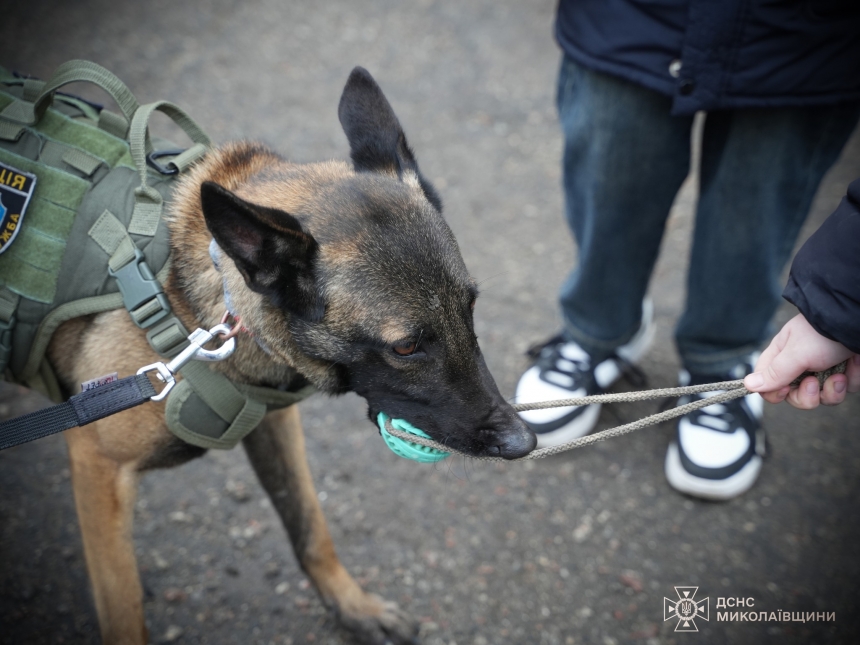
{"x":168,"y":168}
{"x":139,"y":287}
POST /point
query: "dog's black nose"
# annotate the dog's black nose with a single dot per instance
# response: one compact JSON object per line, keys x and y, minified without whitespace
{"x":513,"y":439}
{"x":518,"y":444}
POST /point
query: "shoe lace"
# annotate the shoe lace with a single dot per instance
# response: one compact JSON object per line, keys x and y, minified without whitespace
{"x":551,"y":359}
{"x":547,"y":354}
{"x":534,"y":351}
{"x":723,"y":417}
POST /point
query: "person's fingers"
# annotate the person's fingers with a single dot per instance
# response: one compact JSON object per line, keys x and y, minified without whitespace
{"x":767,"y":354}
{"x":853,"y":373}
{"x":782,"y":369}
{"x":777,"y":396}
{"x":796,"y":348}
{"x":757,"y":380}
{"x":835,"y":388}
{"x":806,"y":396}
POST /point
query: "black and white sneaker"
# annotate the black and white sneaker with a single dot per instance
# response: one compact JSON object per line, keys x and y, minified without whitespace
{"x":718,"y":449}
{"x":564,"y":370}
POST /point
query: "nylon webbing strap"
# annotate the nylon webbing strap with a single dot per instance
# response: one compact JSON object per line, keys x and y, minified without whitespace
{"x":148,"y":201}
{"x":79,"y":410}
{"x":110,"y":234}
{"x":113,"y":124}
{"x":81,"y":70}
{"x":55,"y":154}
{"x":216,"y":391}
{"x":8,"y":306}
{"x":10,"y":131}
{"x":32,"y":88}
{"x":274,"y":398}
{"x":20,"y":112}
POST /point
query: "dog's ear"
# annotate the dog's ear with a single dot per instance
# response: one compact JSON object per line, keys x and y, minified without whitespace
{"x":376,"y":140}
{"x":272,"y":252}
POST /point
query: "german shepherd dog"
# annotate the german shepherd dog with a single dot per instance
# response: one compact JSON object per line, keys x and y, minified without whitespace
{"x":346,"y":276}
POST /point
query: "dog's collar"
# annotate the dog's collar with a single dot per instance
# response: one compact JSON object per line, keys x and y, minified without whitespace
{"x":215,"y":255}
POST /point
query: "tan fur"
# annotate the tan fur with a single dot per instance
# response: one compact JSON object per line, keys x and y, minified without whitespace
{"x":107,"y":456}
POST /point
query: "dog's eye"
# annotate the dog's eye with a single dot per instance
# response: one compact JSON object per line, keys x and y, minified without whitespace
{"x":406,"y":349}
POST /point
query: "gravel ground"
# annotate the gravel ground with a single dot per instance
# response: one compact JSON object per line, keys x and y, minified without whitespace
{"x":580,"y":548}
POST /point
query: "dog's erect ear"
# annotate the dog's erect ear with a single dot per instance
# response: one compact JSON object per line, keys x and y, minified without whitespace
{"x":376,"y":140}
{"x":272,"y":252}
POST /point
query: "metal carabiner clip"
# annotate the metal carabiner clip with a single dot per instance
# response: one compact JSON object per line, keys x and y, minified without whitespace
{"x":166,"y":373}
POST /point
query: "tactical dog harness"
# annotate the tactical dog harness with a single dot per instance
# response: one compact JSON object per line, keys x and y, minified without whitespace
{"x":82,"y":191}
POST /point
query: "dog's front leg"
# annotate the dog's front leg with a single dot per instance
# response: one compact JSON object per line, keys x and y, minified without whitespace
{"x":277,"y":452}
{"x":105,"y":491}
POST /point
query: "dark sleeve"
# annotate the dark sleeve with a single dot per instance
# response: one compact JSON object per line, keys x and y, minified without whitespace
{"x":825,"y":275}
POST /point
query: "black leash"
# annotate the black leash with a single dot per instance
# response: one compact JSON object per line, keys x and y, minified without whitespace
{"x":79,"y":410}
{"x":108,"y":399}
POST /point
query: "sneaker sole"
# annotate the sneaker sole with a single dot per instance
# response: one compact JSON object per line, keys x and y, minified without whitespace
{"x":579,"y":427}
{"x":714,"y":489}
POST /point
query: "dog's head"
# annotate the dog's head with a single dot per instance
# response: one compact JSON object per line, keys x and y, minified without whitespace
{"x":351,"y":274}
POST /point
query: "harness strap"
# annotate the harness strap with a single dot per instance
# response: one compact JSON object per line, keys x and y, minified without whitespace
{"x":205,"y":408}
{"x":206,"y":395}
{"x":81,"y":70}
{"x":148,"y":201}
{"x":110,"y":234}
{"x":142,"y":294}
{"x":8,"y":305}
{"x":79,"y":410}
{"x":113,"y":124}
{"x":10,"y":131}
{"x":56,"y":154}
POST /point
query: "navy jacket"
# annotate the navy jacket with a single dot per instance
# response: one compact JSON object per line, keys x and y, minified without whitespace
{"x":825,"y":275}
{"x":732,"y":53}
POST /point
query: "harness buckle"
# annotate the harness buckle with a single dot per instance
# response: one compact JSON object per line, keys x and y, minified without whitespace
{"x":142,"y":294}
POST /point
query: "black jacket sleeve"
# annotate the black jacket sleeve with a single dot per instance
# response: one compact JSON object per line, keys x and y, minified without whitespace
{"x":825,"y":275}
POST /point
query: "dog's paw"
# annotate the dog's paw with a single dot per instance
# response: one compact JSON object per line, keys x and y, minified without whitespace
{"x":375,"y":621}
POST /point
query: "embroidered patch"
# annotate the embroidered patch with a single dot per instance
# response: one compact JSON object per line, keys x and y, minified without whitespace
{"x":16,"y":188}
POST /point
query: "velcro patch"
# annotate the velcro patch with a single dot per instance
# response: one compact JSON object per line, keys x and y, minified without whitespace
{"x":16,"y":189}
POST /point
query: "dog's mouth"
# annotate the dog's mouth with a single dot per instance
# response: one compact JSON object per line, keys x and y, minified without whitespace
{"x":513,"y":441}
{"x":404,"y":448}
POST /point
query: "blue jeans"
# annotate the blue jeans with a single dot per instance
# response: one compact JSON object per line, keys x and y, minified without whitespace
{"x":625,"y":158}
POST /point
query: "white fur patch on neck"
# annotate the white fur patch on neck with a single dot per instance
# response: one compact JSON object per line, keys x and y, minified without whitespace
{"x":410,"y":178}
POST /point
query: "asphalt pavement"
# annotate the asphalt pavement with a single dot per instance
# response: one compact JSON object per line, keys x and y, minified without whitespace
{"x":578,"y":548}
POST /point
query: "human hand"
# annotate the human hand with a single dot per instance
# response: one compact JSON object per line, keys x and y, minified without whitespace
{"x":797,"y":348}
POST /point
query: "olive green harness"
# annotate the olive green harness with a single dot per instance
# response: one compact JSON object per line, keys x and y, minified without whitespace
{"x":91,"y":240}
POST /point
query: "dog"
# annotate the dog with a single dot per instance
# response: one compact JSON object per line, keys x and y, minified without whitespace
{"x":345,"y":276}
